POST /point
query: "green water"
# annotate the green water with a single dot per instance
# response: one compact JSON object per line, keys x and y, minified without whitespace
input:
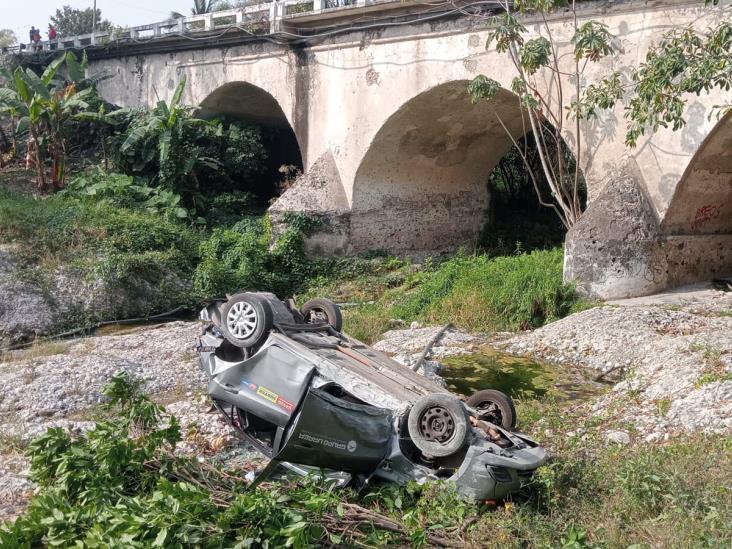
{"x":518,"y":377}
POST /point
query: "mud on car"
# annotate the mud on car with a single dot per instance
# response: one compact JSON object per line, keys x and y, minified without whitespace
{"x":307,"y":395}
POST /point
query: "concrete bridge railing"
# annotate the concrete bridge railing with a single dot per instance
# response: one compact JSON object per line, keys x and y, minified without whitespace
{"x":257,"y":19}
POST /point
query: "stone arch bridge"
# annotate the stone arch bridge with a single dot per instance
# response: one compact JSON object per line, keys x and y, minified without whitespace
{"x":396,"y":155}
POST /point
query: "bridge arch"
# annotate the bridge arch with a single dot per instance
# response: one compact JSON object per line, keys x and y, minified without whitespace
{"x":702,"y":201}
{"x":421,"y":186}
{"x":251,"y":104}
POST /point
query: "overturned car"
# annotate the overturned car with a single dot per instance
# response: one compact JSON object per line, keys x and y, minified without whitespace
{"x":307,"y":395}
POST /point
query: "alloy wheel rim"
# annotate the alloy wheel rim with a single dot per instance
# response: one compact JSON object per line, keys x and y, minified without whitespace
{"x":241,"y":320}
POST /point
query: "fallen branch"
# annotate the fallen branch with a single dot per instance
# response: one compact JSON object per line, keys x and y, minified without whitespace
{"x":429,"y":346}
{"x":607,"y":372}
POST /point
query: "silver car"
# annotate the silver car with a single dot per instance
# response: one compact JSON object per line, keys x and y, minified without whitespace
{"x":307,"y":395}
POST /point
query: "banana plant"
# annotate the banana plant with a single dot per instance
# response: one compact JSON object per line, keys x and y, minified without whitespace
{"x":160,"y":138}
{"x":13,"y":108}
{"x":46,"y":105}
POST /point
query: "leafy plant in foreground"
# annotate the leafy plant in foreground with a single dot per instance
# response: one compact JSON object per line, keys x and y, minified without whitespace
{"x":120,"y":484}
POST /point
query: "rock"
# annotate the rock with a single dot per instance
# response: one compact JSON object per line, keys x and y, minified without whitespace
{"x":629,"y":259}
{"x":411,"y":342}
{"x":653,"y":437}
{"x":41,"y":302}
{"x":617,"y":437}
{"x":318,"y":193}
{"x":415,"y":325}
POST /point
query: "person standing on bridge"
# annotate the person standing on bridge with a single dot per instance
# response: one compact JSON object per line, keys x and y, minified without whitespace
{"x":52,"y":35}
{"x":37,"y":40}
{"x":32,"y":34}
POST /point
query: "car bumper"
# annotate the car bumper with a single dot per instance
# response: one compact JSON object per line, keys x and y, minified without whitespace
{"x":487,"y":474}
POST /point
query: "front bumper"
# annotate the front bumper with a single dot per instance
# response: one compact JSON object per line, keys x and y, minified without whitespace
{"x":489,"y":472}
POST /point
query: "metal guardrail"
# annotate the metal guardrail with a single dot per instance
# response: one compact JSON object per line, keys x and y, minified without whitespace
{"x":260,"y":18}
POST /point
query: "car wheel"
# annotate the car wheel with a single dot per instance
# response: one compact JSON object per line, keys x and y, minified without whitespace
{"x":246,"y":320}
{"x":495,"y":407}
{"x":323,"y":310}
{"x":438,"y":425}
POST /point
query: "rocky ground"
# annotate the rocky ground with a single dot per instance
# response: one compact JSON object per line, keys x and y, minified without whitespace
{"x":670,"y":361}
{"x":670,"y":355}
{"x":54,"y":296}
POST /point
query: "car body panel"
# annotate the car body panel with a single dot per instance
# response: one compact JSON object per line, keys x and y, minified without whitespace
{"x":335,"y":434}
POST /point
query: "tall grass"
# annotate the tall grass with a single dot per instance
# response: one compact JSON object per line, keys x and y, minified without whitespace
{"x":483,"y":293}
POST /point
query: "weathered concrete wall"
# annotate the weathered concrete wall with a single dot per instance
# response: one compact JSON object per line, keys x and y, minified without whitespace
{"x":409,"y":150}
{"x":422,"y":185}
{"x":619,"y":249}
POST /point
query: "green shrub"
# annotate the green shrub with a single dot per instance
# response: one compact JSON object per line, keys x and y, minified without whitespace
{"x":148,"y":258}
{"x":242,"y":257}
{"x":120,"y":484}
{"x":168,"y":146}
{"x":63,"y":228}
{"x":121,"y":190}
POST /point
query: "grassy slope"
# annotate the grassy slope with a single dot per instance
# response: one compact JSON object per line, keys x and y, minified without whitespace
{"x":121,"y":245}
{"x":474,"y":292}
{"x":134,"y":252}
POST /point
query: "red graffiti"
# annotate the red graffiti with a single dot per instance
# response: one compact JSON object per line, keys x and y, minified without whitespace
{"x":705,"y":214}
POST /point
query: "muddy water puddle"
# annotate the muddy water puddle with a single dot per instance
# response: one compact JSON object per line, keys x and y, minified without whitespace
{"x":518,"y":377}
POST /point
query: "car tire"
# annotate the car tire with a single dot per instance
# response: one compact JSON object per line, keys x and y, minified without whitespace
{"x":322,"y":310}
{"x":438,"y":425}
{"x":495,"y":407}
{"x":246,"y":320}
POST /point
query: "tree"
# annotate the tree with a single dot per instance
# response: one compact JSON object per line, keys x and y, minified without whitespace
{"x":537,"y":60}
{"x":158,"y":143}
{"x":201,"y":7}
{"x":45,"y":105}
{"x":7,"y":38}
{"x":204,"y":6}
{"x":683,"y":62}
{"x":73,"y":22}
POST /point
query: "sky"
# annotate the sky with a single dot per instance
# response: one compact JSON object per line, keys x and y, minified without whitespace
{"x":19,"y":16}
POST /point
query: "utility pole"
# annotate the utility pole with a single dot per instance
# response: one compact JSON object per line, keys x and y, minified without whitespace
{"x":94,"y":17}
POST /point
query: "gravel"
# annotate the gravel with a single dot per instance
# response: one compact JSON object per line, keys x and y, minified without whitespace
{"x":34,"y":391}
{"x":670,"y":361}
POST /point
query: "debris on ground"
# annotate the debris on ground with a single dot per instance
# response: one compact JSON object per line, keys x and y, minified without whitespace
{"x":63,"y":389}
